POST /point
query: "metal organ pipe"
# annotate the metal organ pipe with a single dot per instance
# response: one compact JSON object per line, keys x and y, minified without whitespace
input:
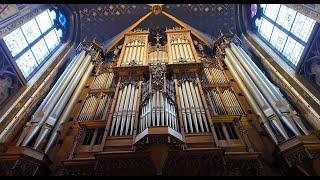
{"x":193,"y":100}
{"x":268,"y":94}
{"x":116,"y":114}
{"x":56,"y":112}
{"x":275,"y":94}
{"x":66,"y":113}
{"x":48,"y":104}
{"x":184,"y":112}
{"x":259,"y":96}
{"x":252,"y":101}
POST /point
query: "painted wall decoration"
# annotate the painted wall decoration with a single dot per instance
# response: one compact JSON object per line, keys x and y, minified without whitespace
{"x":9,"y":83}
{"x":311,"y":66}
{"x":7,"y":10}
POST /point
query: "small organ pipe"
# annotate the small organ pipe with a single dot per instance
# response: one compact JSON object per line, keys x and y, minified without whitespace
{"x":173,"y":51}
{"x":184,"y":112}
{"x":202,"y":109}
{"x":134,"y":51}
{"x":185,"y":50}
{"x":177,"y":50}
{"x":116,"y":113}
{"x":134,"y":108}
{"x":130,"y":116}
{"x":123,"y":106}
{"x":125,"y":57}
{"x":195,"y":105}
{"x":127,"y":61}
{"x":189,"y":106}
{"x":190,"y":52}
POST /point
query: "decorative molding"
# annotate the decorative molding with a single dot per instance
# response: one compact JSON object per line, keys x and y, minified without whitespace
{"x":304,"y":9}
{"x":21,"y":20}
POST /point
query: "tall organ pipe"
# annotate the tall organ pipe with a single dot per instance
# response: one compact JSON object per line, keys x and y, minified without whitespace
{"x":264,"y":86}
{"x":60,"y":105}
{"x":66,"y":113}
{"x":269,"y":112}
{"x":251,"y":100}
{"x":281,"y":102}
{"x":51,"y":100}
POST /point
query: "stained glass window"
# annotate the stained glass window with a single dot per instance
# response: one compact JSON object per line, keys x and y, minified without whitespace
{"x":15,"y":41}
{"x":31,"y":30}
{"x":40,"y":51}
{"x":285,"y":29}
{"x":27,"y":63}
{"x":32,"y":43}
{"x":44,"y":21}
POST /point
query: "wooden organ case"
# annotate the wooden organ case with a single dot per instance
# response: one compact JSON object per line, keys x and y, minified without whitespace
{"x":161,"y":107}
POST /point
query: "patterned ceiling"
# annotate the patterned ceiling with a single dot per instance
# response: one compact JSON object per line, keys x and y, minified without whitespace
{"x":104,"y":22}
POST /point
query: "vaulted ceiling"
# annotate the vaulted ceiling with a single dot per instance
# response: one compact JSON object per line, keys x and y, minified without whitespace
{"x":104,"y":21}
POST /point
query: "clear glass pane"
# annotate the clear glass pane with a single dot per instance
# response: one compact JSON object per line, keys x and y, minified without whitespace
{"x":51,"y":40}
{"x":272,"y":10}
{"x":40,"y":51}
{"x":266,"y":28}
{"x":31,"y":30}
{"x":52,"y":14}
{"x":15,"y":42}
{"x":258,"y":23}
{"x":44,"y":21}
{"x":27,"y":63}
{"x":302,"y":27}
{"x":293,"y":50}
{"x":59,"y":33}
{"x":286,"y":17}
{"x":278,"y":39}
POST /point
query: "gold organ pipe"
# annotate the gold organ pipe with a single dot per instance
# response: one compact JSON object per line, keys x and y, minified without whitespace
{"x":174,"y":58}
{"x":185,"y":49}
{"x":190,"y":52}
{"x":177,"y":50}
{"x":180,"y":48}
{"x":126,"y":53}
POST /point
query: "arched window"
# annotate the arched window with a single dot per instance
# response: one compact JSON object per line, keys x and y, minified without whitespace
{"x":31,"y":44}
{"x":286,"y":30}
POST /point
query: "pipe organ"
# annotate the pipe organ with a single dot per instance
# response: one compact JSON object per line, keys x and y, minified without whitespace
{"x":158,"y":105}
